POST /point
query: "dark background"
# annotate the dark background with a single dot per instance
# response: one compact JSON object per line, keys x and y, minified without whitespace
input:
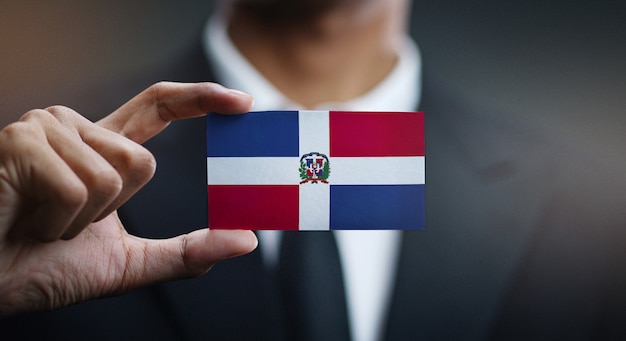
{"x":560,"y":65}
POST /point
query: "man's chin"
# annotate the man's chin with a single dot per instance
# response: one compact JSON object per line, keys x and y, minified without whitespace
{"x":299,"y":11}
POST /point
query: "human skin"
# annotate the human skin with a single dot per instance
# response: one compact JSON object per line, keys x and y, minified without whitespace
{"x":318,"y":52}
{"x":62,"y":179}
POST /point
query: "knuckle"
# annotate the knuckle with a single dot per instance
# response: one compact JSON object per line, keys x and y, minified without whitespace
{"x":20,"y":137}
{"x":156,"y":92}
{"x":62,"y":113}
{"x":159,"y":86}
{"x":74,"y":195}
{"x":58,"y":110}
{"x":137,"y":162}
{"x":106,"y":183}
{"x":51,"y":115}
{"x":36,"y":115}
{"x":144,"y":164}
{"x":15,"y":130}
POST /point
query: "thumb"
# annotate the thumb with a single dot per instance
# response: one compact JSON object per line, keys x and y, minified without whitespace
{"x":188,"y":255}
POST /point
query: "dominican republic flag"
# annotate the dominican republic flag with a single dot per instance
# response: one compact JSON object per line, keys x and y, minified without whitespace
{"x":316,"y":170}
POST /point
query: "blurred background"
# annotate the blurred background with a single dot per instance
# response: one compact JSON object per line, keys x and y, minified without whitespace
{"x":559,"y":64}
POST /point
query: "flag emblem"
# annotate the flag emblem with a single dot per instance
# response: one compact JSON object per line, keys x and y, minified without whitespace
{"x":316,"y":170}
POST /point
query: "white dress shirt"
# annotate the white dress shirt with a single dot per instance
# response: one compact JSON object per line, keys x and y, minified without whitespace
{"x":368,"y":258}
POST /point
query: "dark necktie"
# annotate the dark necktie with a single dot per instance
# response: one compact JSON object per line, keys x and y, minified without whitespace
{"x":311,"y":287}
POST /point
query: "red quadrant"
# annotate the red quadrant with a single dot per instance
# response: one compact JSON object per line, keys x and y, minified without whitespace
{"x":375,"y":134}
{"x":254,"y":207}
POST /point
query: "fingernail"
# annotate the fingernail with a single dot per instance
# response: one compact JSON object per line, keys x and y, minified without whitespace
{"x":242,"y":95}
{"x":238,"y":92}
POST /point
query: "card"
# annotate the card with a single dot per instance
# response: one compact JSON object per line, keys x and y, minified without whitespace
{"x":316,"y":170}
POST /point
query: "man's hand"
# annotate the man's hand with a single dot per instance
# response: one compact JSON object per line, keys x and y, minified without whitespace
{"x":62,"y":179}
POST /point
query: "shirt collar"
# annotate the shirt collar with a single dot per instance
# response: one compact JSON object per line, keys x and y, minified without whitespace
{"x":399,"y":91}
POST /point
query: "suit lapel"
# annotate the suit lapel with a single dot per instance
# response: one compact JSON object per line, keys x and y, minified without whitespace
{"x":452,"y":276}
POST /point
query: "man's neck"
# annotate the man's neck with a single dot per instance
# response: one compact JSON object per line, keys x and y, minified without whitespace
{"x":335,"y":57}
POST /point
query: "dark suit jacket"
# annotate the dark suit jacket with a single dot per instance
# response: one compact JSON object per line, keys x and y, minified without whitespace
{"x":524,"y":240}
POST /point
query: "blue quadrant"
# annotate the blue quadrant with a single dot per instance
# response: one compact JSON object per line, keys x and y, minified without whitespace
{"x":269,"y":133}
{"x":377,"y":207}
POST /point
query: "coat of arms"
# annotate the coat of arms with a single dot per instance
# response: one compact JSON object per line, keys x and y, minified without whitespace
{"x":314,"y":168}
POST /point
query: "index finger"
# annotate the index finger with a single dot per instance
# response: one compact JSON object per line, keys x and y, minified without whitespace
{"x":148,"y":113}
